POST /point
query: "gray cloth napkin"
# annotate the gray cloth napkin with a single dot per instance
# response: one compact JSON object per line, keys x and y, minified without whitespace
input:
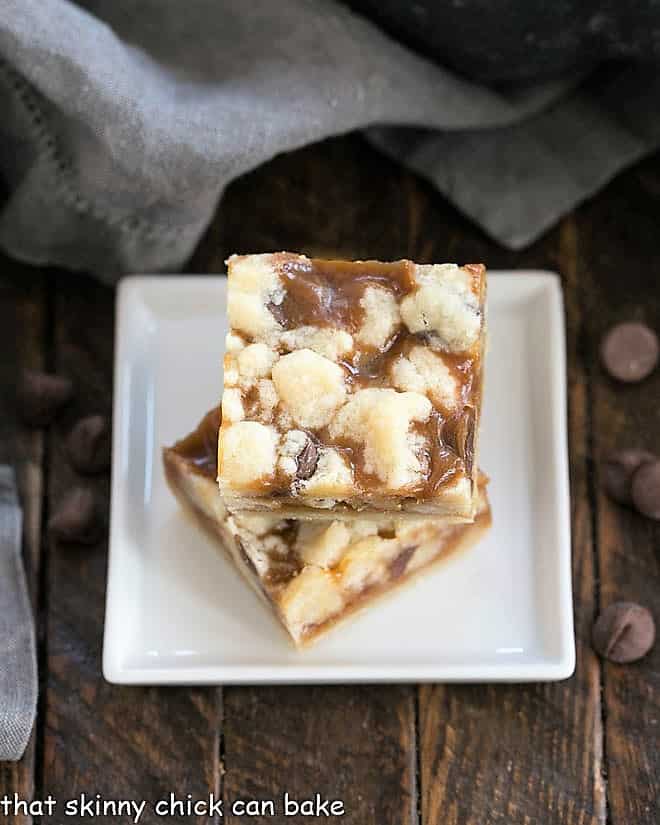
{"x":18,"y":662}
{"x":123,"y":122}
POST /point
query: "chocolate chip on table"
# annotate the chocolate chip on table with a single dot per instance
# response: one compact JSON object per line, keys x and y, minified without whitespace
{"x":645,"y":489}
{"x":624,"y":632}
{"x":630,"y":351}
{"x":88,"y":444}
{"x":41,"y":396}
{"x":76,"y":519}
{"x":617,"y":472}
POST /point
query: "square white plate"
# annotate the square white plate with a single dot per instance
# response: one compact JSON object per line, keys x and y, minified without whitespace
{"x":177,"y":612}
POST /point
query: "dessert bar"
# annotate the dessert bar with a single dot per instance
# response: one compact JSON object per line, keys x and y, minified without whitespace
{"x":312,"y":574}
{"x":352,"y":389}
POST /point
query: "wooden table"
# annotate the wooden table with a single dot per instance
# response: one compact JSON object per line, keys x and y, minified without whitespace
{"x":581,"y":751}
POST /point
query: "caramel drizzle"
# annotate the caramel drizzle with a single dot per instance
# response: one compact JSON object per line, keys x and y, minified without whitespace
{"x":327,"y":293}
{"x":200,"y":447}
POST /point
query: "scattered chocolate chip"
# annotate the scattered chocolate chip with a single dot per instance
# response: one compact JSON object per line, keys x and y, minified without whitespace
{"x":630,"y":351}
{"x":76,"y":519}
{"x":624,"y":632}
{"x":617,"y":472}
{"x":88,"y":444}
{"x":645,"y":489}
{"x":41,"y":396}
{"x":307,"y":460}
{"x":398,"y":565}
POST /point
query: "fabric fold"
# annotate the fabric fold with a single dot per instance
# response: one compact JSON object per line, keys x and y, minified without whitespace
{"x":18,"y":660}
{"x":122,"y":124}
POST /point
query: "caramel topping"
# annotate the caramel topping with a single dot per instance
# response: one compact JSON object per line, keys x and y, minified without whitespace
{"x":200,"y":447}
{"x":281,"y":570}
{"x":250,"y":399}
{"x":386,"y":325}
{"x":373,"y":370}
{"x":328,"y":293}
{"x":451,"y":437}
{"x":445,"y":462}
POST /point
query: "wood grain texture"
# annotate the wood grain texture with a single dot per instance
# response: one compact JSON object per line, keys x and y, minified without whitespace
{"x":353,"y":743}
{"x":121,"y":742}
{"x":22,"y":327}
{"x":618,"y":267}
{"x":437,"y":755}
{"x":526,"y":753}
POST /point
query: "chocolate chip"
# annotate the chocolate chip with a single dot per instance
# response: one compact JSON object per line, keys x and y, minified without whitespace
{"x":77,"y":519}
{"x":645,"y":489}
{"x":398,"y":565}
{"x":88,"y":444}
{"x":624,"y":632}
{"x":630,"y":351}
{"x":281,"y":571}
{"x":307,"y":460}
{"x":41,"y":396}
{"x":278,"y":313}
{"x":617,"y":472}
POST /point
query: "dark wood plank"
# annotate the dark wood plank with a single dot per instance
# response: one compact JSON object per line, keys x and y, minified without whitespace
{"x":336,"y":198}
{"x":354,"y":744}
{"x":22,"y":330}
{"x":121,"y":742}
{"x":619,"y":267}
{"x":514,"y":754}
{"x":357,"y":744}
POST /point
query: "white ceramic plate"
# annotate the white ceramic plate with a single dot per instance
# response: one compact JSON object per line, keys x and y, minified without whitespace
{"x":177,"y":612}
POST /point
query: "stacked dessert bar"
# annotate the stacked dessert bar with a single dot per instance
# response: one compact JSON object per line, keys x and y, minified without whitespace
{"x":346,"y":446}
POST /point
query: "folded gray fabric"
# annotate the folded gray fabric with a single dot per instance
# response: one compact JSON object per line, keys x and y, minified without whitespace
{"x":122,"y":122}
{"x":18,"y":663}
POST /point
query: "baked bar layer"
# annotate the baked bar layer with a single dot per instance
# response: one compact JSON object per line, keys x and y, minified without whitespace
{"x":312,"y":574}
{"x":351,"y":387}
